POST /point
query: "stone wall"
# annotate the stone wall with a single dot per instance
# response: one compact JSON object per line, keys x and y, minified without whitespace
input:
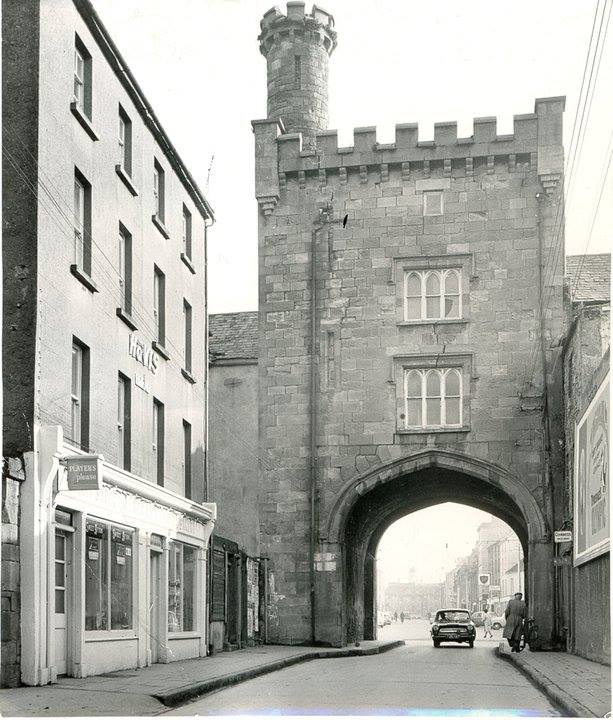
{"x":10,"y":657}
{"x":490,"y":229}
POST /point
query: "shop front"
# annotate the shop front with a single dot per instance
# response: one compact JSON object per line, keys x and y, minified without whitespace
{"x":114,"y":568}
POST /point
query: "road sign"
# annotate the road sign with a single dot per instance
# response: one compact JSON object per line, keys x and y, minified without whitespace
{"x":561,"y":536}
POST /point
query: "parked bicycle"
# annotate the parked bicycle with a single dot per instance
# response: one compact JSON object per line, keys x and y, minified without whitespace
{"x":529,"y":634}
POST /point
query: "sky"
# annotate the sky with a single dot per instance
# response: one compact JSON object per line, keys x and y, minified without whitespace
{"x":428,"y":543}
{"x":397,"y":61}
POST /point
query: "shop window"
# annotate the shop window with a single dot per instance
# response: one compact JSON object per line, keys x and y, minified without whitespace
{"x":108,"y":577}
{"x":181,"y":587}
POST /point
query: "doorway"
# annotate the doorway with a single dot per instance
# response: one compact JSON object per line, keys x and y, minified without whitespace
{"x":156,"y":630}
{"x":62,"y":590}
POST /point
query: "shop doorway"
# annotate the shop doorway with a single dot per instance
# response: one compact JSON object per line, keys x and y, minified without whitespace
{"x":62,"y":591}
{"x":155,"y":605}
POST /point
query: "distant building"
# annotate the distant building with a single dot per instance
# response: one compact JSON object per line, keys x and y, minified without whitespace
{"x":584,"y":569}
{"x":105,"y":515}
{"x":414,"y":598}
{"x":237,"y":616}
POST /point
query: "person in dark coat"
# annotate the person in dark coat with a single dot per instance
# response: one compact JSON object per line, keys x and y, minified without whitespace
{"x":514,"y":614}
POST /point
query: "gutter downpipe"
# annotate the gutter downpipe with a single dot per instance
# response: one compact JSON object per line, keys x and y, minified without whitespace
{"x":313,"y":429}
{"x":540,"y":196}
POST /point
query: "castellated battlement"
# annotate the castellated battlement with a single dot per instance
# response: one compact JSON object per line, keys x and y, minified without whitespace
{"x":318,"y":27}
{"x":538,"y":132}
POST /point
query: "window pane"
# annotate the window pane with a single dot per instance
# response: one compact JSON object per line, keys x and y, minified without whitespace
{"x":413,"y":308}
{"x":433,"y":284}
{"x":452,"y":306}
{"x":414,"y":412}
{"x":189,"y":587}
{"x":414,"y":384}
{"x":433,"y":412}
{"x":433,"y":307}
{"x":452,"y":283}
{"x":452,"y":383}
{"x":175,"y":588}
{"x":452,"y":411}
{"x":433,"y":384}
{"x":414,"y":285}
{"x":96,"y":583}
{"x":60,"y":602}
{"x":59,"y":574}
{"x":60,"y":548}
{"x":121,"y":579}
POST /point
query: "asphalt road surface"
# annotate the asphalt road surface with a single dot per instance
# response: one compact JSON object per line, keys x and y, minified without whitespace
{"x":412,"y":680}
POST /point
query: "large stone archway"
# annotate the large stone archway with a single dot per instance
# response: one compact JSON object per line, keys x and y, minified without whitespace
{"x":368,"y":504}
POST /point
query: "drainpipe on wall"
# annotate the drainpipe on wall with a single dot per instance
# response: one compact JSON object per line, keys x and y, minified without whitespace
{"x":540,"y":196}
{"x":324,"y":220}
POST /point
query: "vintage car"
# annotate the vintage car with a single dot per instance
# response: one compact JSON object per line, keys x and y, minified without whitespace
{"x":453,"y":625}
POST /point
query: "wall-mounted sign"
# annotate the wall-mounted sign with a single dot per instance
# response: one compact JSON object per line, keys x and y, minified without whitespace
{"x":83,"y":472}
{"x":142,"y":353}
{"x":484,"y":579}
{"x":561,"y":536}
{"x":140,"y":380}
{"x":591,"y":481}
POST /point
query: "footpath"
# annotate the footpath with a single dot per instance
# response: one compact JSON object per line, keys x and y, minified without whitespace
{"x":152,"y":690}
{"x":580,"y":687}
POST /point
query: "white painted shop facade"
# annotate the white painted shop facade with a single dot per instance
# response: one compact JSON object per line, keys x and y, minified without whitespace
{"x":112,"y":578}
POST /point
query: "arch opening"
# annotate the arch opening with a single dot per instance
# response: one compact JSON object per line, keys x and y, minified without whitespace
{"x":362,"y":521}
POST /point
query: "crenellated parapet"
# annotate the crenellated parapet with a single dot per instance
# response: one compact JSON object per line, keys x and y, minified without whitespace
{"x":316,"y":27}
{"x":536,"y":140}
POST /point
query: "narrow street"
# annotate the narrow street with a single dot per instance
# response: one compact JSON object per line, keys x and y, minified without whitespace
{"x":408,"y":680}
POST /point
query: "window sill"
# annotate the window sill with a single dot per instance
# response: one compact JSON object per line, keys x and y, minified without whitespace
{"x":127,"y":318}
{"x":188,"y":635}
{"x":188,"y":376}
{"x":126,"y":179}
{"x":160,"y":226}
{"x":445,"y":321}
{"x":189,"y":263}
{"x":84,"y":121}
{"x":108,"y":635}
{"x":160,"y":350}
{"x":84,"y":278}
{"x":433,"y":430}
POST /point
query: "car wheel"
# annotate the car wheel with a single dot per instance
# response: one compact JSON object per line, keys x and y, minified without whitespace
{"x":471,"y":643}
{"x":436,"y":643}
{"x":496,"y":626}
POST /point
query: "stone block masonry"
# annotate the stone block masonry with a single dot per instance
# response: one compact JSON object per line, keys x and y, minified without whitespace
{"x":335,"y":342}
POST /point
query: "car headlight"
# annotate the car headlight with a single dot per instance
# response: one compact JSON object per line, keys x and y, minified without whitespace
{"x":435,"y":628}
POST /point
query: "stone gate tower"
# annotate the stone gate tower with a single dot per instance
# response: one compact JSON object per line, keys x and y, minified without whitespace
{"x":409,"y":296}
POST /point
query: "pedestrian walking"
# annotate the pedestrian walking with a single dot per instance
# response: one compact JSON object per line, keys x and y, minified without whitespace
{"x":402,"y":616}
{"x":514,"y":614}
{"x":487,"y":624}
{"x":395,"y":617}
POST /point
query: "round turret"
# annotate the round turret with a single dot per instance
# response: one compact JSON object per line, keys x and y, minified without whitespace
{"x":297,"y":47}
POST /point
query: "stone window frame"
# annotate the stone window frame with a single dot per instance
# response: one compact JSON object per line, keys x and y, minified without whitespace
{"x":403,"y":266}
{"x":463,"y":362}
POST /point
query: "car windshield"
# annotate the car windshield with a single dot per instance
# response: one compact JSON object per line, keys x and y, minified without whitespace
{"x":452,"y":616}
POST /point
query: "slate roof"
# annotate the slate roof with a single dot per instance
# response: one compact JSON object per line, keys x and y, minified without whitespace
{"x":594,"y":284}
{"x":233,"y":336}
